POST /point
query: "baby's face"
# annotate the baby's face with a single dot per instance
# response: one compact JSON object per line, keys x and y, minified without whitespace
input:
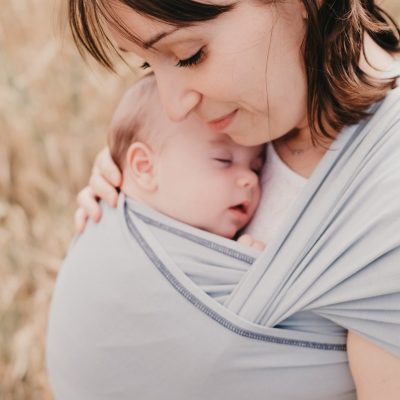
{"x":205,"y":179}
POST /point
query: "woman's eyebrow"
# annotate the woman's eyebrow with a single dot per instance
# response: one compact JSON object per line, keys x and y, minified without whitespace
{"x":151,"y":42}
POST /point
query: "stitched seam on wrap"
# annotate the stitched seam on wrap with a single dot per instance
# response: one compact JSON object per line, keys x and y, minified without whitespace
{"x":211,"y":313}
{"x":193,"y":238}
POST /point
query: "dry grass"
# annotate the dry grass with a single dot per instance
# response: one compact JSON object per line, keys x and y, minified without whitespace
{"x":54,"y":114}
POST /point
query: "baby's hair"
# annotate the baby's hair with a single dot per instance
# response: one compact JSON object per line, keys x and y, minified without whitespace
{"x":132,"y":119}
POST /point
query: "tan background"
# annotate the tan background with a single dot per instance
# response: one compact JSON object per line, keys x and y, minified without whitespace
{"x":54,"y":112}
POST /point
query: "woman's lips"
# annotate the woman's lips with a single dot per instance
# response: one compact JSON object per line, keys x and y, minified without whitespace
{"x":218,"y":125}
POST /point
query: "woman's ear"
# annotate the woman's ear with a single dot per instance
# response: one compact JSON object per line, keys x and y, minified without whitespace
{"x":140,"y":166}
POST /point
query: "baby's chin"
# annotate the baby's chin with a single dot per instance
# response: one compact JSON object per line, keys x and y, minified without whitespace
{"x":229,"y":231}
{"x":228,"y":226}
{"x":227,"y":235}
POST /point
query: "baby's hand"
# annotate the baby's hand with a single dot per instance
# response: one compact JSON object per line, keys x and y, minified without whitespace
{"x":247,"y":240}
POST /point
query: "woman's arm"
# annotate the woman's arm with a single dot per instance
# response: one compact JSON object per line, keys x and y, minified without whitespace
{"x":376,"y":372}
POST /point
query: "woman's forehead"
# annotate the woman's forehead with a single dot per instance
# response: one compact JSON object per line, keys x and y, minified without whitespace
{"x":146,"y":25}
{"x":127,"y":24}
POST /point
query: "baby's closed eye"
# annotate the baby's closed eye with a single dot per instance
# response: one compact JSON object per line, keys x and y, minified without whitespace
{"x":223,"y":160}
{"x":257,"y":165}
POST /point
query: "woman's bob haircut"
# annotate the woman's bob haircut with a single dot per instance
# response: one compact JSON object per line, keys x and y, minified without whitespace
{"x":339,"y":92}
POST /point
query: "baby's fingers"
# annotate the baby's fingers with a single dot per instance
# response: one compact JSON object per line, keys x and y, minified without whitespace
{"x":246,"y":240}
{"x":258,"y":245}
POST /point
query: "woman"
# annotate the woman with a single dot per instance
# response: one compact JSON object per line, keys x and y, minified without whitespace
{"x":294,"y":73}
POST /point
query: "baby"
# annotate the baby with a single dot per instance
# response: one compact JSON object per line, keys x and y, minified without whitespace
{"x":182,"y":169}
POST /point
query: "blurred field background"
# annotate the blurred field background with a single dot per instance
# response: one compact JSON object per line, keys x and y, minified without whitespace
{"x":54,"y":112}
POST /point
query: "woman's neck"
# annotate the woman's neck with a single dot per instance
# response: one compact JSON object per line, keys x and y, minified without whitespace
{"x":298,"y":152}
{"x":296,"y":149}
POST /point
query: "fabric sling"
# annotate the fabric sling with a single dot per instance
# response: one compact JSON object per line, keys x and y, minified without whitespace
{"x":146,"y":307}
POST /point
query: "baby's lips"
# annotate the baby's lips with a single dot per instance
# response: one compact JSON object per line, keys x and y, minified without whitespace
{"x":246,"y":204}
{"x":242,"y":206}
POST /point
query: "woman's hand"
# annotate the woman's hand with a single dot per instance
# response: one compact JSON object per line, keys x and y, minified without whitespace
{"x":103,"y":184}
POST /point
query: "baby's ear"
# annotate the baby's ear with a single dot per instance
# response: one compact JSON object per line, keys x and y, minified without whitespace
{"x":140,"y":166}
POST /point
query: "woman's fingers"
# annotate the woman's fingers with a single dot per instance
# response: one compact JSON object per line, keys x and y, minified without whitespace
{"x":104,"y":180}
{"x":80,"y":219}
{"x":106,"y":167}
{"x":88,"y":202}
{"x":100,"y":188}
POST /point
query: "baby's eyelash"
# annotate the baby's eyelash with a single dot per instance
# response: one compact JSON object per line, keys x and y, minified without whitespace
{"x":145,"y":65}
{"x":257,"y":171}
{"x":193,"y":60}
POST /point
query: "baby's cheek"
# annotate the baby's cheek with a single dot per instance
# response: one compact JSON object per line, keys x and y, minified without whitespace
{"x":257,"y":199}
{"x":200,"y":208}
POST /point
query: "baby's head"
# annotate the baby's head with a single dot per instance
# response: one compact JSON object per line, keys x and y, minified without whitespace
{"x":182,"y":169}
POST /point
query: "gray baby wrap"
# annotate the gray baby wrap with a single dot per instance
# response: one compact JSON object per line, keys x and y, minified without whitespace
{"x":147,"y":308}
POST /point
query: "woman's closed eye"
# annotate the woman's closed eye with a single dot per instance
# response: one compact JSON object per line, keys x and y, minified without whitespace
{"x":193,"y":60}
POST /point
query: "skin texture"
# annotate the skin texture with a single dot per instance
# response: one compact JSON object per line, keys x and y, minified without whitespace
{"x":376,"y":372}
{"x":218,"y":174}
{"x":252,"y":65}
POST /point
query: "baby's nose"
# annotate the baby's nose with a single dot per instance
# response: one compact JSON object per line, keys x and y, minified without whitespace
{"x":248,"y":180}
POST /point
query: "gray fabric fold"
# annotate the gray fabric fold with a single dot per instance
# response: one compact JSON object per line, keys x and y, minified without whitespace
{"x":339,"y":251}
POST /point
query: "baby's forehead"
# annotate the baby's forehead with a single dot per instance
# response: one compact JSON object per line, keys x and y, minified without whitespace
{"x":140,"y":103}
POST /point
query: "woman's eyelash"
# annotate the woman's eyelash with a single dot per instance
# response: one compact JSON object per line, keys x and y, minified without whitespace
{"x":193,"y":60}
{"x":223,"y":160}
{"x":188,"y":62}
{"x":145,"y":65}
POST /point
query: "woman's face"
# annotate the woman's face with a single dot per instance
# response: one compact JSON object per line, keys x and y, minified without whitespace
{"x":242,"y":73}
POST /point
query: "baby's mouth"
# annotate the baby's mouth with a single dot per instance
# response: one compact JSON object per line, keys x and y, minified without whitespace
{"x":241,"y":208}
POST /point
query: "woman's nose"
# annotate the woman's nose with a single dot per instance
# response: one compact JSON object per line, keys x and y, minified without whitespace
{"x":248,"y":180}
{"x":177,"y":97}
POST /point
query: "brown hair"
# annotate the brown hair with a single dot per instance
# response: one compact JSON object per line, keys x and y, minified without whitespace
{"x":339,"y":92}
{"x":132,"y":119}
